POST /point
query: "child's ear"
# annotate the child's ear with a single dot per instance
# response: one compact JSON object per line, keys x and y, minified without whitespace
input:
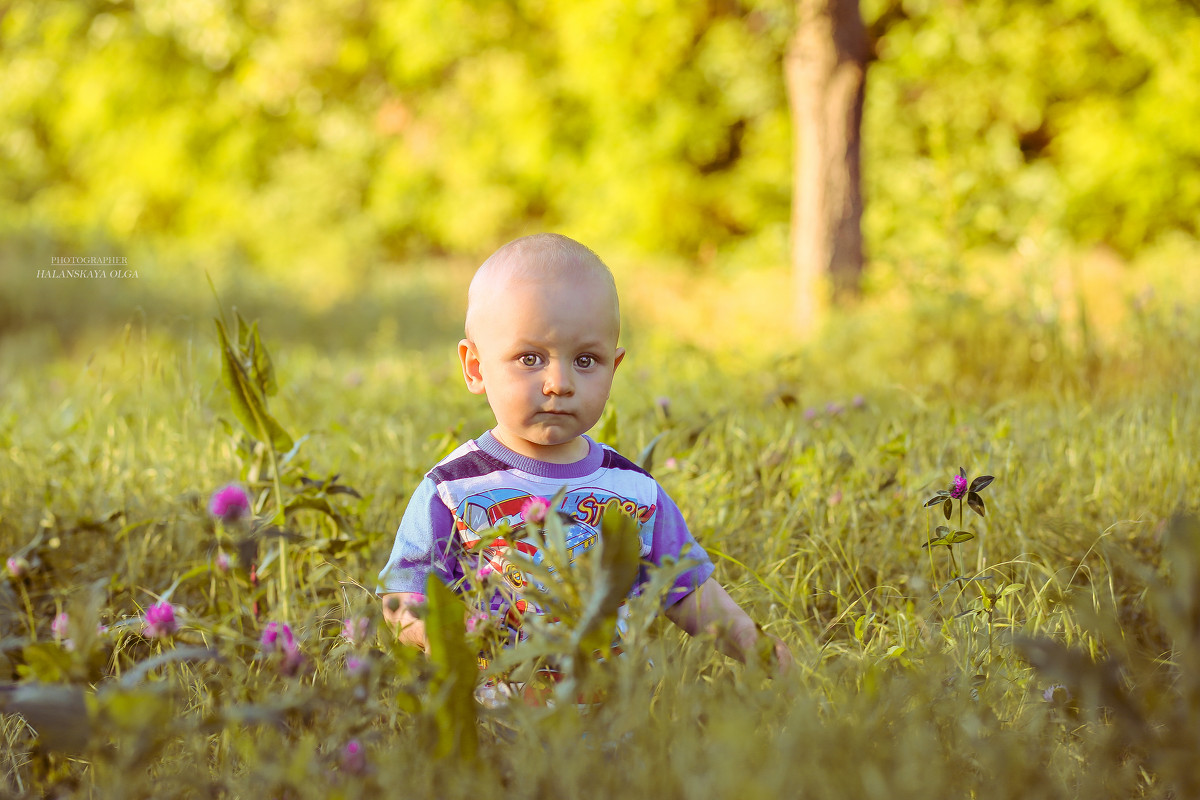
{"x":468,"y":356}
{"x":620,"y":355}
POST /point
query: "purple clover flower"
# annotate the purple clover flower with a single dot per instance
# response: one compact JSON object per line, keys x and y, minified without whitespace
{"x":476,"y":620}
{"x":354,"y":629}
{"x":229,"y":503}
{"x":959,"y":487}
{"x":357,"y":667}
{"x":159,"y":621}
{"x":277,"y":638}
{"x":59,"y":625}
{"x":535,"y":509}
{"x":354,"y":758}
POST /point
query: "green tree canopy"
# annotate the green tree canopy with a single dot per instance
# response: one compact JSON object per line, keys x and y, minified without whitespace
{"x":333,"y":134}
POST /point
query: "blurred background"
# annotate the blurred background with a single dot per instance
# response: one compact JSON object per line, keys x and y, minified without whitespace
{"x":350,"y":161}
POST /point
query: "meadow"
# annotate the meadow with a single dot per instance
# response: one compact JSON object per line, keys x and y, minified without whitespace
{"x":1054,"y":653}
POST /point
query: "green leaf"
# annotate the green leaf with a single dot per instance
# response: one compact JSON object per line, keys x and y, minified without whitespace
{"x":941,"y":530}
{"x":135,"y":710}
{"x":981,"y":483}
{"x":173,"y":656}
{"x":645,"y":459}
{"x":939,"y":541}
{"x":48,"y":662}
{"x":613,"y":564}
{"x":257,"y":357}
{"x":58,"y":713}
{"x":249,"y":405}
{"x":313,"y":504}
{"x":948,"y":508}
{"x":1011,"y":588}
{"x":860,"y":627}
{"x":976,"y":503}
{"x":959,"y":536}
{"x":455,"y":670}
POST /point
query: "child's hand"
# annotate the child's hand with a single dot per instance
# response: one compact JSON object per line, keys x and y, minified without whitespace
{"x":400,"y":610}
{"x":773,"y":654}
{"x":710,"y":609}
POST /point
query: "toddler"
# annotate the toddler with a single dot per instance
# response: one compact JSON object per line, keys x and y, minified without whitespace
{"x":541,"y":344}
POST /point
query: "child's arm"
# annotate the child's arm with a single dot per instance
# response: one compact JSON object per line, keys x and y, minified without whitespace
{"x":397,"y":612}
{"x":710,"y":609}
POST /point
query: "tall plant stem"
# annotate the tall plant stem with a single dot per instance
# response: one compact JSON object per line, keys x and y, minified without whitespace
{"x":278,"y":521}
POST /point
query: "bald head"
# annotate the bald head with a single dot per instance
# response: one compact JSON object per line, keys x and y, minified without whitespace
{"x":545,"y":258}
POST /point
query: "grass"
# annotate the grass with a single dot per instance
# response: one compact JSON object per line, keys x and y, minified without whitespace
{"x":116,"y":428}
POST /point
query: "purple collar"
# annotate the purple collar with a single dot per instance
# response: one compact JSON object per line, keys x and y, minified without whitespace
{"x":579,"y":469}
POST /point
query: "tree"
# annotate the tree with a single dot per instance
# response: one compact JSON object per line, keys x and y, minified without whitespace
{"x":825,"y":70}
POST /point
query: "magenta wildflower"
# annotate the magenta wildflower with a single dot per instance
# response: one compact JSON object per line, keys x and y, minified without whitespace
{"x":810,"y":414}
{"x":229,"y":503}
{"x":159,"y":621}
{"x":959,"y":487}
{"x":277,"y":638}
{"x":476,"y":620}
{"x":484,"y":570}
{"x":357,"y":667}
{"x":354,"y":758}
{"x":354,"y":629}
{"x":535,"y":509}
{"x":670,"y":463}
{"x":222,"y":561}
{"x":59,"y":625}
{"x":17,"y":566}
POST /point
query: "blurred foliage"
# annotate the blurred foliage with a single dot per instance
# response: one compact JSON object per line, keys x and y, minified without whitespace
{"x":318,"y":140}
{"x":992,"y":120}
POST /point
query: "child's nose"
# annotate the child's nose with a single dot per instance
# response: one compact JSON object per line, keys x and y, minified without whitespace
{"x":558,"y":379}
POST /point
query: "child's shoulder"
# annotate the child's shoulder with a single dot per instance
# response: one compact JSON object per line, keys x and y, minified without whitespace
{"x":467,"y":460}
{"x":614,"y":460}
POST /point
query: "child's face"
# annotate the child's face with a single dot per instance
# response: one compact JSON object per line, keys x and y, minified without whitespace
{"x":544,"y":353}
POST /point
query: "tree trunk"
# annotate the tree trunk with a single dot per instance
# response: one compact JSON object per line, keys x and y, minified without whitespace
{"x":825,"y":71}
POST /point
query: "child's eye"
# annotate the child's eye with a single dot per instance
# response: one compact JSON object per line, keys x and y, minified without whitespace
{"x":529,"y":360}
{"x":586,"y":362}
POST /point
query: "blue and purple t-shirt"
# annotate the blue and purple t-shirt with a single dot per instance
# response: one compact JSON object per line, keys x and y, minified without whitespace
{"x":483,"y":483}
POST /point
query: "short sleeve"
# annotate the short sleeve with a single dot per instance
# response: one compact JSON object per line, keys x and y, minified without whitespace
{"x":423,"y":545}
{"x":671,"y":537}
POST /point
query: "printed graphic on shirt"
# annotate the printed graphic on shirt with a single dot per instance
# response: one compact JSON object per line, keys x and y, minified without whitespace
{"x":479,"y":512}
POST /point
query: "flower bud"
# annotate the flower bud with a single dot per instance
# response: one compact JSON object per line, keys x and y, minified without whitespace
{"x":17,"y":566}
